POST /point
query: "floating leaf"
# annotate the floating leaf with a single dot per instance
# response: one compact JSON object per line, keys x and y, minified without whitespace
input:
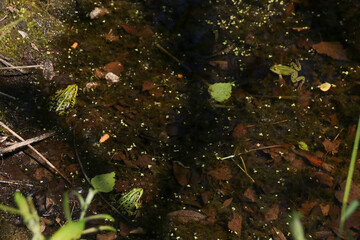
{"x":104,"y":182}
{"x":220,"y":91}
{"x":332,"y":49}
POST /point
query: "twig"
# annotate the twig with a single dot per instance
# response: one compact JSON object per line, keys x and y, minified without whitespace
{"x":21,"y":67}
{"x":48,"y":163}
{"x":13,"y":182}
{"x":173,"y":57}
{"x":25,"y":143}
{"x":10,"y":65}
{"x":7,"y":95}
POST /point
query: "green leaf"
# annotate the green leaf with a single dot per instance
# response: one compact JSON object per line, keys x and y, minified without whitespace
{"x":104,"y":182}
{"x":71,"y":230}
{"x":303,"y":146}
{"x":220,"y":91}
{"x":22,"y":204}
{"x":351,"y":208}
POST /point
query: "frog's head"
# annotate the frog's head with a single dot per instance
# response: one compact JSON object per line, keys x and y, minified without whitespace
{"x":275,"y":69}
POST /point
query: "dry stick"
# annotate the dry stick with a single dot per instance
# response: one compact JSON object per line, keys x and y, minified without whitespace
{"x":24,"y":143}
{"x":16,"y":183}
{"x":38,"y":153}
{"x":173,"y":57}
{"x":10,"y":65}
{"x":7,"y":95}
{"x":21,"y":67}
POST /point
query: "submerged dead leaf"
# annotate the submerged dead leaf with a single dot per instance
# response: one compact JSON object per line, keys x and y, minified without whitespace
{"x":277,"y":234}
{"x":186,"y":216}
{"x":115,"y":67}
{"x":239,"y":131}
{"x":221,"y":173}
{"x":181,"y":174}
{"x":227,"y":202}
{"x":273,"y":213}
{"x":354,"y":192}
{"x":235,"y":224}
{"x":250,"y":194}
{"x":332,"y":49}
{"x":307,"y":206}
{"x":331,"y":146}
{"x":147,"y":85}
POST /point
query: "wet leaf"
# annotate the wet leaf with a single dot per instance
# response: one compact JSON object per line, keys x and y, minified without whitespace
{"x":130,"y":29}
{"x":104,"y":182}
{"x":250,"y":194}
{"x":303,"y":146}
{"x":235,"y":224}
{"x":324,"y":179}
{"x":354,"y":192}
{"x":106,"y":236}
{"x":307,"y":206}
{"x":186,"y":216}
{"x":325,"y":208}
{"x":181,"y":174}
{"x":331,"y":146}
{"x":220,"y":91}
{"x":222,"y":173}
{"x":277,"y":234}
{"x":227,"y":202}
{"x":71,"y":230}
{"x":272,"y":214}
{"x":332,"y":49}
{"x":239,"y":131}
{"x":147,"y":85}
{"x":115,"y":67}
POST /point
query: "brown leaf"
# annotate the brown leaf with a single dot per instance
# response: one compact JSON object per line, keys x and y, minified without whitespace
{"x":307,"y":206}
{"x":331,"y":146}
{"x":106,"y":236}
{"x":223,"y":65}
{"x":239,"y":131}
{"x":181,"y":174}
{"x":331,"y":49}
{"x":114,"y":67}
{"x":235,"y":224}
{"x":147,"y":85}
{"x":354,"y":192}
{"x":227,"y":202}
{"x":272,"y":214}
{"x":250,"y":194}
{"x":144,"y":161}
{"x":325,"y":208}
{"x":186,"y":216}
{"x":324,"y":179}
{"x":221,"y":173}
{"x":130,"y":29}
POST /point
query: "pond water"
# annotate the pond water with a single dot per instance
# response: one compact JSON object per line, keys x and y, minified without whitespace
{"x":238,"y":167}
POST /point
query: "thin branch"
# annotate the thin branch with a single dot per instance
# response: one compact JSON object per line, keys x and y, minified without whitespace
{"x":10,"y":65}
{"x":21,"y":67}
{"x":25,"y":143}
{"x":7,"y":95}
{"x":47,"y":162}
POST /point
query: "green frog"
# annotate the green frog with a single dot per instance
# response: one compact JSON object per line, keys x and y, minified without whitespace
{"x":64,"y":100}
{"x":130,"y":201}
{"x":293,"y":71}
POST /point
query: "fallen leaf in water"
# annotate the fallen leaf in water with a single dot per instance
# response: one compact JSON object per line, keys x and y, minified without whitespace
{"x":115,"y":67}
{"x":307,"y":206}
{"x":221,"y":173}
{"x":223,"y":65}
{"x":186,"y":216}
{"x":144,"y":161}
{"x":104,"y":138}
{"x":277,"y":234}
{"x":331,"y":146}
{"x":325,"y":208}
{"x":273,"y":213}
{"x":147,"y":85}
{"x":332,"y":49}
{"x":235,"y":224}
{"x":324,"y":179}
{"x":130,"y":29}
{"x":250,"y":194}
{"x":239,"y":131}
{"x":106,"y":236}
{"x":181,"y":173}
{"x":354,"y":192}
{"x":227,"y":202}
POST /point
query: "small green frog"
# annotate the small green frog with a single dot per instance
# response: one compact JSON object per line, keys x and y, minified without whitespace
{"x":130,"y":201}
{"x":64,"y":100}
{"x":293,"y":71}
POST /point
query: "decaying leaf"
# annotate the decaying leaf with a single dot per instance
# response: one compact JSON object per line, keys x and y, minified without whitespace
{"x":331,"y":146}
{"x":147,"y":85}
{"x":235,"y":224}
{"x":181,"y":173}
{"x":354,"y":192}
{"x":239,"y":131}
{"x":250,"y":194}
{"x":331,"y":49}
{"x":227,"y":202}
{"x":272,"y":214}
{"x":324,"y":87}
{"x":221,"y":173}
{"x":115,"y":67}
{"x":186,"y":216}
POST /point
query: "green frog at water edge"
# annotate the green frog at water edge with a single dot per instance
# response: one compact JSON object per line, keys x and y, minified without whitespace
{"x":292,"y":70}
{"x":63,"y":100}
{"x":130,"y":201}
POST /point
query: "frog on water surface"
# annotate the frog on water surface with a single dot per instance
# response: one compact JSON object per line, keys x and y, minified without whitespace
{"x":291,"y":70}
{"x":130,"y":201}
{"x":64,"y":100}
